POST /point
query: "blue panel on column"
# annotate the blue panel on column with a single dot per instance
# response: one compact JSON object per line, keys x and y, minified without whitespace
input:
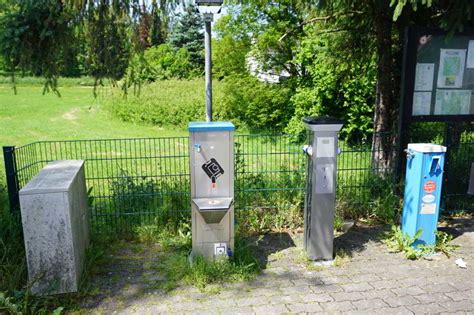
{"x":423,"y":181}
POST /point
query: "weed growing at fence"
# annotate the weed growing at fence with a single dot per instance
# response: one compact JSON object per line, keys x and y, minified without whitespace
{"x":177,"y":270}
{"x":265,"y":220}
{"x":137,"y":201}
{"x":377,"y":203}
{"x":399,"y":242}
{"x":15,"y":296}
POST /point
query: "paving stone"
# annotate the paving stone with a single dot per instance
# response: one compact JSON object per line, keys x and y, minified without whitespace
{"x":219,"y":303}
{"x":304,"y":308}
{"x":440,"y":288}
{"x":250,"y":301}
{"x":382,"y":294}
{"x":461,"y":295}
{"x":464,"y":305}
{"x":362,"y":286}
{"x":385,"y":284}
{"x":300,"y":289}
{"x":347,"y":296}
{"x":401,"y":301}
{"x":369,"y":304}
{"x":202,"y":311}
{"x":271,"y":309}
{"x":184,"y":306}
{"x":335,"y":280}
{"x":327,"y":288}
{"x":432,"y":298}
{"x":307,"y":282}
{"x":426,"y":308}
{"x":462,"y":284}
{"x":374,"y":281}
{"x":289,"y":299}
{"x":237,"y":310}
{"x":314,"y":297}
{"x":408,"y":291}
{"x":338,"y":306}
{"x":401,"y":310}
{"x":364,"y":277}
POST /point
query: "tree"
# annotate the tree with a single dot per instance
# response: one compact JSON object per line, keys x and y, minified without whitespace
{"x":36,"y":36}
{"x":33,"y":35}
{"x":157,"y":32}
{"x":188,"y":33}
{"x":232,"y":43}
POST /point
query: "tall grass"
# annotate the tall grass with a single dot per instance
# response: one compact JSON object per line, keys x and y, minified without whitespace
{"x":167,"y":103}
{"x":39,"y":81}
{"x":373,"y":200}
{"x":175,"y":265}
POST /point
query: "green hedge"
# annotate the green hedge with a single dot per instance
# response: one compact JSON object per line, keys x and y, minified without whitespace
{"x":167,"y":103}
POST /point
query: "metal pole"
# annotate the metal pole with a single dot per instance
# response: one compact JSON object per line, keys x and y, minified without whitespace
{"x":208,"y":48}
{"x":11,"y":176}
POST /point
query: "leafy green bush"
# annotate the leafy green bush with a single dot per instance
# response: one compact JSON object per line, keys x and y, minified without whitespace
{"x":336,"y":84}
{"x":257,"y":105}
{"x":160,"y":62}
{"x":167,"y":103}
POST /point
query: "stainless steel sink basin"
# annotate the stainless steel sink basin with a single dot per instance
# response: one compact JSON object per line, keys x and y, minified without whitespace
{"x":213,"y":209}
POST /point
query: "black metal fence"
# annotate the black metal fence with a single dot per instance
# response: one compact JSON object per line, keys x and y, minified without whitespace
{"x":133,"y":181}
{"x":459,"y":140}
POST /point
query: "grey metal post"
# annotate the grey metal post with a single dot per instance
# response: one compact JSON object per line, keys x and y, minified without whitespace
{"x":320,"y":198}
{"x":208,"y":48}
{"x":12,"y":180}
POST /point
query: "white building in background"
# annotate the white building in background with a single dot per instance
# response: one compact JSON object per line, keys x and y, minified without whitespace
{"x":269,"y":75}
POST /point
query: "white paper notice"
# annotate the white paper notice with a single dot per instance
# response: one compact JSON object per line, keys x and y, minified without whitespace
{"x":424,"y":76}
{"x":421,"y":103}
{"x":428,"y":208}
{"x":470,"y":55}
{"x":451,"y":68}
{"x":452,"y":102}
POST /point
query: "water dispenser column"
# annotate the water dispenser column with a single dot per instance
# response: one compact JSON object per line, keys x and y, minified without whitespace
{"x":423,"y":181}
{"x":320,"y":197}
{"x":211,"y":150}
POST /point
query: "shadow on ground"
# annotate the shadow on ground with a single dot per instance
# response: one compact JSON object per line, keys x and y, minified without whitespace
{"x":355,"y":240}
{"x":268,"y":244}
{"x":457,"y":226}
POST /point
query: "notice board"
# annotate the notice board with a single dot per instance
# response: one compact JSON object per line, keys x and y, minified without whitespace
{"x":438,"y":76}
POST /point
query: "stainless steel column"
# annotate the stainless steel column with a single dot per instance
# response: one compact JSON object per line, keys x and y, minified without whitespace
{"x":211,"y":148}
{"x":320,"y":200}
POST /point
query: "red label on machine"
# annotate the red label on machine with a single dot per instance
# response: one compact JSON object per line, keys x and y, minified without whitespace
{"x":429,"y":186}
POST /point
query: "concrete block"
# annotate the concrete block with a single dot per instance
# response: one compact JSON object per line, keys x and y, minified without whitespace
{"x":55,"y":222}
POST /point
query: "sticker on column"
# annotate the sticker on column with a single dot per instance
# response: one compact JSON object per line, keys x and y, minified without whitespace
{"x":325,"y":147}
{"x":213,"y":169}
{"x":429,"y":198}
{"x":429,"y":186}
{"x":428,"y":208}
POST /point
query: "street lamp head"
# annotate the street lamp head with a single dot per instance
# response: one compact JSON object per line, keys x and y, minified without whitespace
{"x":209,"y":6}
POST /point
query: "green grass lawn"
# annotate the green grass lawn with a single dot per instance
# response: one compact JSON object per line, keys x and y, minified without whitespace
{"x":31,"y":116}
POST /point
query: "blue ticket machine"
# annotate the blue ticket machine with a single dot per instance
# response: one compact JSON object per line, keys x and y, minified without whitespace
{"x":423,"y":181}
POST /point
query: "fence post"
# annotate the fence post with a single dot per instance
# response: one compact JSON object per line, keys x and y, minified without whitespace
{"x":12,"y":180}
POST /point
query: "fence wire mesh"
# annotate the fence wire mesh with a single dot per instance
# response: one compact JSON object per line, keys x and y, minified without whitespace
{"x":137,"y":181}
